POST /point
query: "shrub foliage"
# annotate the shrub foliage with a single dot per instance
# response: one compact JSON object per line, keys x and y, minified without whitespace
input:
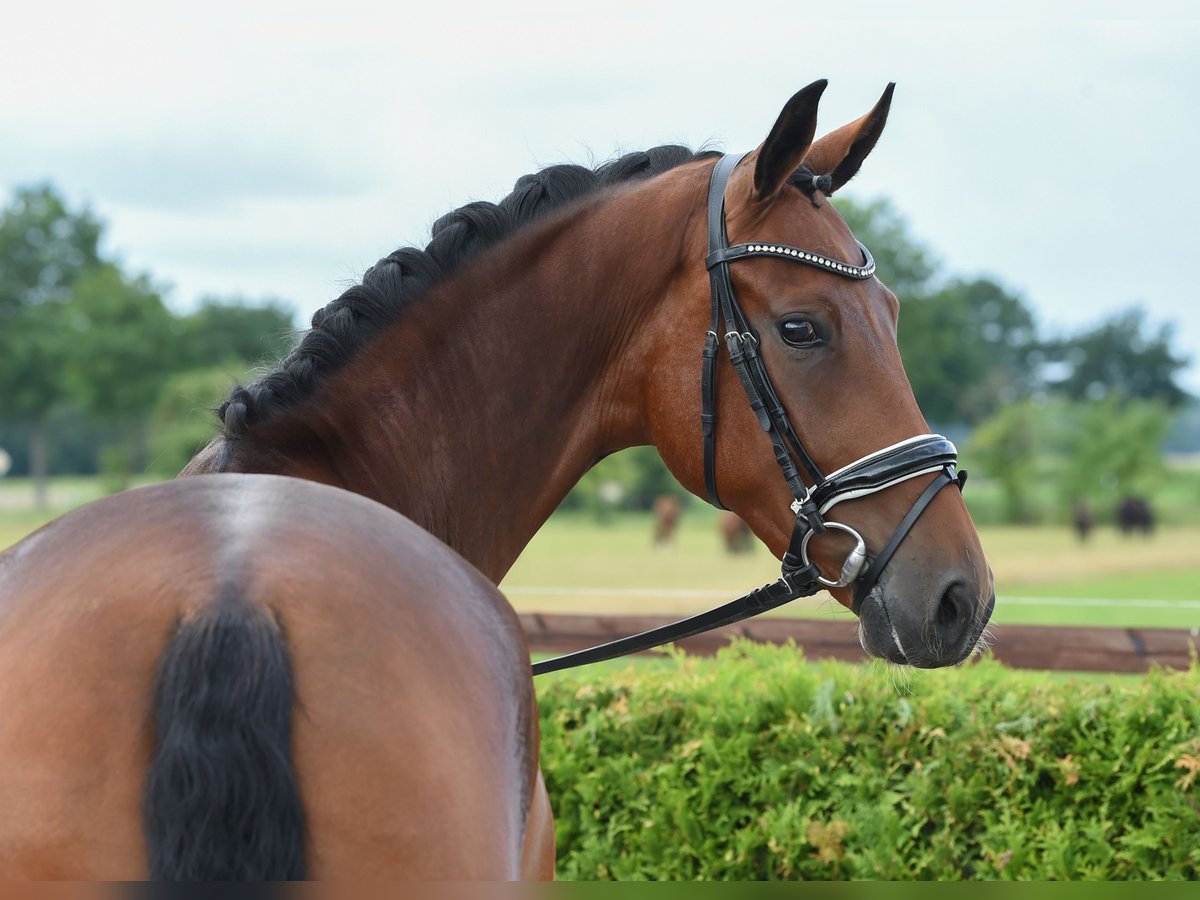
{"x":759,"y":765}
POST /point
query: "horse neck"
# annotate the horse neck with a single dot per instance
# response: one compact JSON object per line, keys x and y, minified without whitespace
{"x":488,"y":400}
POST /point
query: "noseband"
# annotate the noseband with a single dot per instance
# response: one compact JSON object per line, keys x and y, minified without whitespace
{"x":800,"y":577}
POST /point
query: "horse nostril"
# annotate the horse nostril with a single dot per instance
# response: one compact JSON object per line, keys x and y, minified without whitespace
{"x":953,"y":615}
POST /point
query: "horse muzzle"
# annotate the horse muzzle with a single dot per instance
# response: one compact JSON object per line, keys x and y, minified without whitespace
{"x":944,"y":631}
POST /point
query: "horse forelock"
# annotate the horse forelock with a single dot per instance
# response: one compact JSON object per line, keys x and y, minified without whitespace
{"x":344,"y":325}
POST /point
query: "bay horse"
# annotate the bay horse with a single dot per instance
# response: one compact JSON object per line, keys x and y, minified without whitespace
{"x":293,"y":661}
{"x":735,"y":533}
{"x":666,"y":510}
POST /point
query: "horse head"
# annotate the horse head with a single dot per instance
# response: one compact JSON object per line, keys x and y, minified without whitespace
{"x":791,"y":302}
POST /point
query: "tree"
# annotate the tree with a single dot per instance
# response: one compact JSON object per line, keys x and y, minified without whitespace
{"x":1095,"y":451}
{"x":1121,"y":356}
{"x":234,"y":329}
{"x":218,"y":344}
{"x":78,"y":336}
{"x":44,"y":248}
{"x":968,"y":348}
{"x":123,"y":345}
{"x":183,"y":422}
{"x":1006,"y":447}
{"x":903,"y":265}
{"x":1113,"y":448}
{"x":124,"y":342}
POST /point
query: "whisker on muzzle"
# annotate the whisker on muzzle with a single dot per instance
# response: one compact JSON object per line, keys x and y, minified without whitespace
{"x":986,"y":639}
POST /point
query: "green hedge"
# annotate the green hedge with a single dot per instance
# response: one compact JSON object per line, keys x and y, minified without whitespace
{"x":760,"y":765}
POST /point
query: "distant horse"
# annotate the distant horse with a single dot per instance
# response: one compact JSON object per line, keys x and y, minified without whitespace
{"x":1083,"y":520}
{"x":1135,"y":516}
{"x":735,"y":533}
{"x":294,"y":662}
{"x":666,"y":519}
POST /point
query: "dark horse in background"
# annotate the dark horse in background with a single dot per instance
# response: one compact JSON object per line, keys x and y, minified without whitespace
{"x":294,"y":661}
{"x":1135,"y":515}
{"x":1083,"y":520}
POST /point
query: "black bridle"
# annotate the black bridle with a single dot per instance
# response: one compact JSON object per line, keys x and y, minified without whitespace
{"x":800,"y":577}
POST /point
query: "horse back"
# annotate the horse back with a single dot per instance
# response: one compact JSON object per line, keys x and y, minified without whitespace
{"x":412,"y":731}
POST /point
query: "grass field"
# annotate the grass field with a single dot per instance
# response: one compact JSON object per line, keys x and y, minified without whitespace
{"x":575,"y":564}
{"x":1044,"y":576}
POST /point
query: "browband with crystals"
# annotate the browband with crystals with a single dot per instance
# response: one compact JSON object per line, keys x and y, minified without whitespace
{"x":783,"y":251}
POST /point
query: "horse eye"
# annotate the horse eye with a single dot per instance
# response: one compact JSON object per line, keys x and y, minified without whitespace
{"x":799,"y":332}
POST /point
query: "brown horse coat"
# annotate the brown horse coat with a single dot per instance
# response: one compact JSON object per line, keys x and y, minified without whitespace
{"x":371,"y":638}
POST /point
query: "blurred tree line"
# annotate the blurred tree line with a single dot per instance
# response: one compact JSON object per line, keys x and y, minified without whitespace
{"x":1087,"y":413}
{"x":96,"y":372}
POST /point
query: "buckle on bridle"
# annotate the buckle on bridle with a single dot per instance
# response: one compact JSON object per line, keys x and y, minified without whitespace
{"x":735,"y":341}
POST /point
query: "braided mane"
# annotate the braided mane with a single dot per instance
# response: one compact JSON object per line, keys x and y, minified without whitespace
{"x":348,"y":322}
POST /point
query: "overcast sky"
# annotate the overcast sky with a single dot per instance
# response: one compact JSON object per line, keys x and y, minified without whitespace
{"x":278,"y":149}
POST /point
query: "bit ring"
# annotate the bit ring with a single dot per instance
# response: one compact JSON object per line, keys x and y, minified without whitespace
{"x":855,"y":559}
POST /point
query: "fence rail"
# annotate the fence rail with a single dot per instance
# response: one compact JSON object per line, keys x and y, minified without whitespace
{"x":1019,"y":646}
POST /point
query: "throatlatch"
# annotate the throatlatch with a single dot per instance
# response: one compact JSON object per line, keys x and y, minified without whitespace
{"x":800,"y":577}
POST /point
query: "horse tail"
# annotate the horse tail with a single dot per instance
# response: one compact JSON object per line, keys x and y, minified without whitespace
{"x":221,"y":801}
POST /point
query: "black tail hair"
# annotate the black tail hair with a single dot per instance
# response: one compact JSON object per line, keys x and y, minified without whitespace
{"x":221,"y":801}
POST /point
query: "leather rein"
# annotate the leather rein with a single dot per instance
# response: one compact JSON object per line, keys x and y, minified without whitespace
{"x":800,"y":577}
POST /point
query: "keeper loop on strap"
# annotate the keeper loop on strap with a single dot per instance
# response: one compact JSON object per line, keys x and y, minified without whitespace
{"x":807,"y":512}
{"x":716,"y":258}
{"x":798,"y":572}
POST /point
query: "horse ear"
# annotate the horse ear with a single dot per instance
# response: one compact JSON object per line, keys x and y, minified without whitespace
{"x":781,"y":153}
{"x":840,"y":153}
